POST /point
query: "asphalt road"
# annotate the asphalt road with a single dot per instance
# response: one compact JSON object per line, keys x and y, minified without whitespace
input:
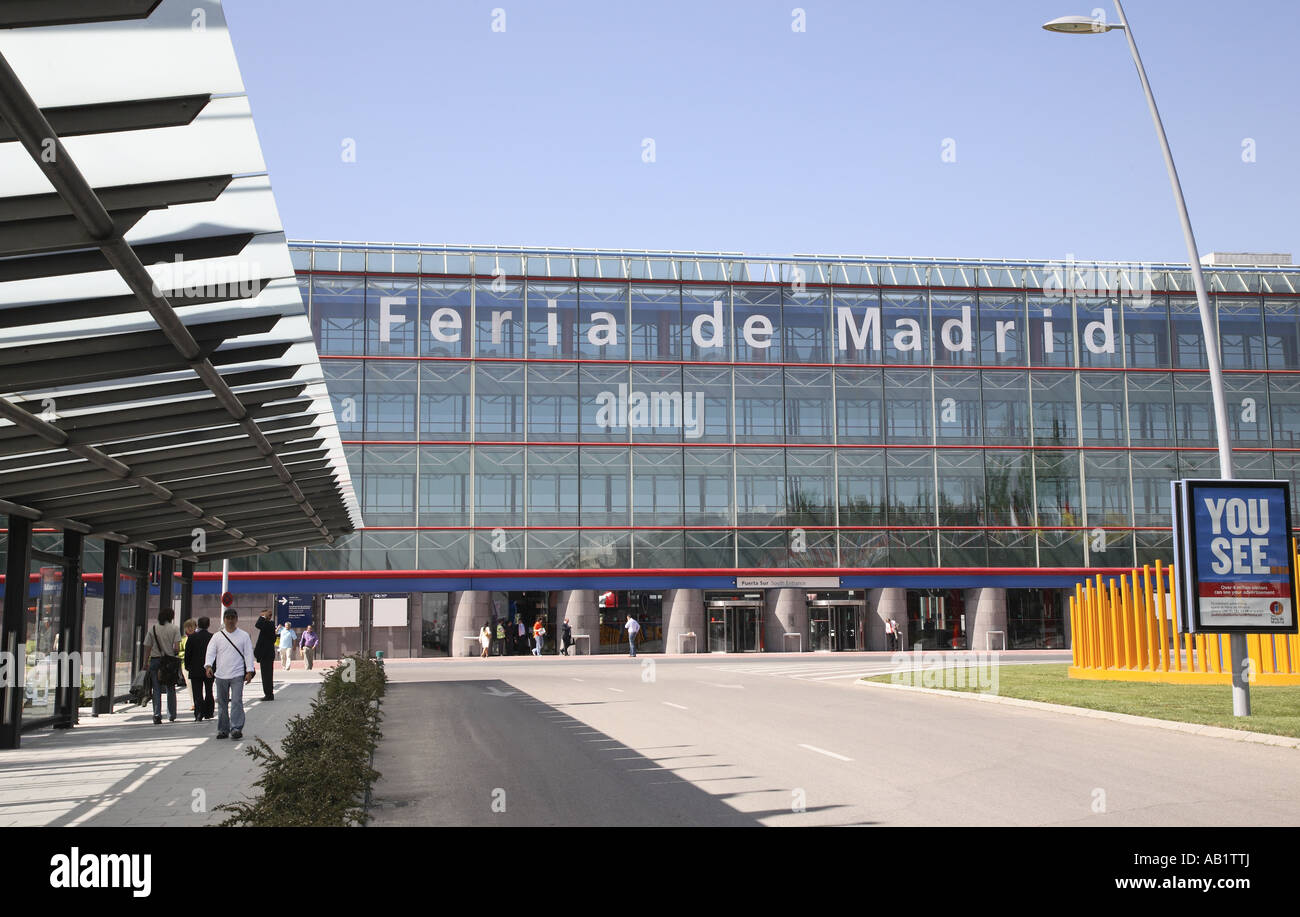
{"x":771,"y":740}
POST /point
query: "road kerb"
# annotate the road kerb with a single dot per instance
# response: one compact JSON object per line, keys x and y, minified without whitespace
{"x":1201,"y":729}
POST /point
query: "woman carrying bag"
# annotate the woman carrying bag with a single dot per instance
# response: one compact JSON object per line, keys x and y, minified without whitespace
{"x":161,"y":646}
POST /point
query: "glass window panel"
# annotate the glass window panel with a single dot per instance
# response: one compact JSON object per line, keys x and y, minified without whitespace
{"x":760,"y":486}
{"x":1150,"y":409}
{"x":345,"y":381}
{"x":912,"y":549}
{"x":553,"y":401}
{"x":1284,"y":406}
{"x":1185,"y":333}
{"x":499,"y":318}
{"x":1146,"y":332}
{"x":1154,"y":545}
{"x":445,"y":327}
{"x":1055,"y":411}
{"x":398,"y":322}
{"x":1051,"y":331}
{"x":390,"y":399}
{"x":1056,"y":474}
{"x":498,"y":486}
{"x":760,"y":407}
{"x":818,"y":549}
{"x":605,"y":550}
{"x":656,"y":410}
{"x":553,"y":320}
{"x":1060,"y":548}
{"x":444,"y":400}
{"x":1152,"y":472}
{"x":1106,"y":484}
{"x":806,"y":316}
{"x":851,"y":314}
{"x":338,"y":315}
{"x":961,"y":487}
{"x":602,"y":314}
{"x":1198,"y":463}
{"x":603,"y":391}
{"x":810,"y":486}
{"x":1099,"y":331}
{"x":963,"y":548}
{"x":859,"y":405}
{"x":1101,"y":397}
{"x":1193,"y":410}
{"x":957,"y":406}
{"x":1005,"y":402}
{"x":1241,"y":332}
{"x":344,"y":554}
{"x":1246,"y":395}
{"x":1255,"y":465}
{"x":552,"y":487}
{"x":707,"y":390}
{"x":444,"y":485}
{"x":1286,"y":466}
{"x":708,"y":486}
{"x":604,"y":485}
{"x":1009,"y":487}
{"x":953,"y":328}
{"x":389,"y":485}
{"x":861,"y":486}
{"x":1012,"y":548}
{"x":1003,"y":329}
{"x":499,"y":401}
{"x":910,"y":486}
{"x":656,"y":326}
{"x":905,"y":332}
{"x":443,"y":551}
{"x":388,"y":550}
{"x":808,"y":405}
{"x":657,"y":487}
{"x":756,"y":316}
{"x":657,"y":550}
{"x":1282,"y":333}
{"x":710,"y":549}
{"x":762,"y":549}
{"x":864,"y":548}
{"x":554,"y":550}
{"x":501,"y":549}
{"x":1108,"y":548}
{"x":908,"y":406}
{"x":706,"y":320}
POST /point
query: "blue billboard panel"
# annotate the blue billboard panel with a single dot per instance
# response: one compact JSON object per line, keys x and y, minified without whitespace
{"x":295,"y":609}
{"x":1236,"y":547}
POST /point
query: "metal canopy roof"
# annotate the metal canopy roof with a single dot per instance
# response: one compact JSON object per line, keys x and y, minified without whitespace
{"x":140,"y":403}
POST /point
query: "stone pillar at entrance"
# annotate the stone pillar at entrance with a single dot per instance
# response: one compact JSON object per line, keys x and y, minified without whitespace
{"x":986,"y":610}
{"x":579,"y":606}
{"x":469,"y":612}
{"x":785,"y":611}
{"x":883,"y":604}
{"x":683,"y":613}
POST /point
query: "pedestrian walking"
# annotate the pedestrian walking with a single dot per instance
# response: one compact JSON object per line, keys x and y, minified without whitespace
{"x":163,"y":661}
{"x":307,"y":645}
{"x":566,"y":636}
{"x":521,"y":638}
{"x":889,"y":634}
{"x":485,"y":639}
{"x":264,"y":652}
{"x":539,"y":631}
{"x":196,"y":652}
{"x":230,"y":662}
{"x":501,"y":638}
{"x":632,"y":628}
{"x":287,"y":639}
{"x":898,"y":634}
{"x":187,"y":628}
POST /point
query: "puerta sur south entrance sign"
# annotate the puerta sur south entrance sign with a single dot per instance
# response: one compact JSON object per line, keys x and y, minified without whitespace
{"x":1232,"y":544}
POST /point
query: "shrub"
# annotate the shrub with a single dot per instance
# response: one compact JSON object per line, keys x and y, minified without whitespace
{"x":322,"y":775}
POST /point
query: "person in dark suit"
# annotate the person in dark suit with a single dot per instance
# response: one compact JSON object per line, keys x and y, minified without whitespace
{"x":196,"y":650}
{"x":264,"y":652}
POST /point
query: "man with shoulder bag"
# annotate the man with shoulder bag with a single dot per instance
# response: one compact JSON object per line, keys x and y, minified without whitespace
{"x":161,"y":646}
{"x":229,"y":660}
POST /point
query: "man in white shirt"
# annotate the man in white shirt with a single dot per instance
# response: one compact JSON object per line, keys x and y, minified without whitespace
{"x":633,"y":628}
{"x":230,"y":661}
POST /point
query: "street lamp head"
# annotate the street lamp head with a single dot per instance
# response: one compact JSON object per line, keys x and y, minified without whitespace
{"x":1075,"y":25}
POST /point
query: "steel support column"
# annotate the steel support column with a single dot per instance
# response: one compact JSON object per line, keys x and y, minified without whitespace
{"x":72,"y":612}
{"x":104,"y":687}
{"x":13,"y":629}
{"x":143,"y":559}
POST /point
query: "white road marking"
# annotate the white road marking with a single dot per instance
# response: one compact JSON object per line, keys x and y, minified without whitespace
{"x":716,"y":685}
{"x":619,"y":690}
{"x":822,"y":751}
{"x":671,"y":704}
{"x":577,"y":679}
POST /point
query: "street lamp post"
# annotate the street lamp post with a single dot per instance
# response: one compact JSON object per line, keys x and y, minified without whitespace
{"x":1077,"y":25}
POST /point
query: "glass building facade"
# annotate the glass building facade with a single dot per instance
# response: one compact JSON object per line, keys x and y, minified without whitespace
{"x":515,"y":409}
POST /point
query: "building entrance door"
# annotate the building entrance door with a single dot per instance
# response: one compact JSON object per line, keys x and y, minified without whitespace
{"x":834,"y":625}
{"x":734,"y":625}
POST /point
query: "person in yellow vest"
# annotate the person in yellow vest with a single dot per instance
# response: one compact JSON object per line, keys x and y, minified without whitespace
{"x":501,"y":637}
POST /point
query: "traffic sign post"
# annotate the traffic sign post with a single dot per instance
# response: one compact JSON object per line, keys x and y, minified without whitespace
{"x":1232,"y":544}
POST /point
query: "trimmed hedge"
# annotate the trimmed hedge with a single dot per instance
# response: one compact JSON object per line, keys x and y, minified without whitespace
{"x":322,"y":776}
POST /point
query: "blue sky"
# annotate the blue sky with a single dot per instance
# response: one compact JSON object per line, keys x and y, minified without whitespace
{"x":769,"y":140}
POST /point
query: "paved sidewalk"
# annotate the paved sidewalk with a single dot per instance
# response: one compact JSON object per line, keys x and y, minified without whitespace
{"x":121,"y":769}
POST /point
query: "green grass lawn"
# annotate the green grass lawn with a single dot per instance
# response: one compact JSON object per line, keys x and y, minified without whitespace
{"x":1274,"y":710}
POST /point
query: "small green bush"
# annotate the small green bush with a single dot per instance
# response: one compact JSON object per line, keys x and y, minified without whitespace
{"x":323,"y":773}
